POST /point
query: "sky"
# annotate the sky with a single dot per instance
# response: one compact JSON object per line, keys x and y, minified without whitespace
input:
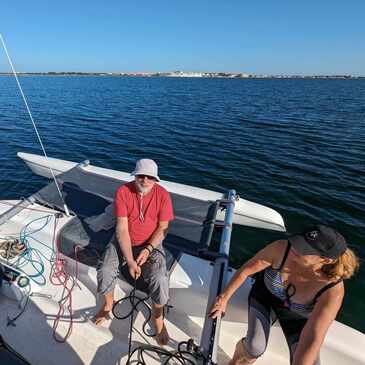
{"x":259,"y":37}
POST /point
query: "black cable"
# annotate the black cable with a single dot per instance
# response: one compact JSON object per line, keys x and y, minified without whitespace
{"x":182,"y":356}
{"x":11,"y":321}
{"x":187,"y":352}
{"x":131,"y":327}
{"x":135,"y":302}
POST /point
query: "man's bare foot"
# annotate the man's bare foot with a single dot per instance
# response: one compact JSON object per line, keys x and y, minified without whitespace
{"x":162,"y":338}
{"x":104,"y":313}
{"x":102,"y":316}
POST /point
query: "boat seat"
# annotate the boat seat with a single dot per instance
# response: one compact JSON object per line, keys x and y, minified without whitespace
{"x":76,"y":233}
{"x":90,"y":197}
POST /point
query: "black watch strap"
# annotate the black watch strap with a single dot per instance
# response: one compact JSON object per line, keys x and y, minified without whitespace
{"x":150,"y":248}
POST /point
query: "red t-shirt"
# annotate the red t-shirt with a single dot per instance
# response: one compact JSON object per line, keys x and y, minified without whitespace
{"x":155,"y":206}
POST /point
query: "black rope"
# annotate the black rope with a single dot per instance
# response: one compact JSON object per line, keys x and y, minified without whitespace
{"x":135,"y":302}
{"x":131,"y":325}
{"x":11,"y":321}
{"x":187,"y":352}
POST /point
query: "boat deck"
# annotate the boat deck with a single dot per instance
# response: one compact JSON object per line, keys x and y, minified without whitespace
{"x":108,"y":344}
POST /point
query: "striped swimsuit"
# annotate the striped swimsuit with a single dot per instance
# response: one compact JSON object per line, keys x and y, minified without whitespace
{"x":269,"y":300}
{"x":274,"y":283}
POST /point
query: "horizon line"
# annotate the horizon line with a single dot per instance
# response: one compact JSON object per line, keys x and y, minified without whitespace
{"x":185,"y":74}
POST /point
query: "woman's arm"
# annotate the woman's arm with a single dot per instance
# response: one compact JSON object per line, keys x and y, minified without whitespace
{"x":314,"y":332}
{"x":263,"y":259}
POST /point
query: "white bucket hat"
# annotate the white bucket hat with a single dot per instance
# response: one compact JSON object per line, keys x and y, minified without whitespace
{"x":145,"y":166}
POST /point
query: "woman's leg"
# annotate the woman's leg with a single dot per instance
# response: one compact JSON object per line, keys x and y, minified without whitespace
{"x":292,"y":328}
{"x":293,"y":347}
{"x":254,"y":344}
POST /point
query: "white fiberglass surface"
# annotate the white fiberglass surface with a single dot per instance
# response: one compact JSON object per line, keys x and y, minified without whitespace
{"x":246,"y":212}
{"x":108,"y":344}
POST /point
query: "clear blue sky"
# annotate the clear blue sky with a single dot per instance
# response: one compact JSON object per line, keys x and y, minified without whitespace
{"x":276,"y":36}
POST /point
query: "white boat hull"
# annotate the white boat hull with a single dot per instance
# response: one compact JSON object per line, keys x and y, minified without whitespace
{"x":246,"y":213}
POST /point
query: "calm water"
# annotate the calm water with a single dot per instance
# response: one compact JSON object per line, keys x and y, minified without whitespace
{"x":297,"y":146}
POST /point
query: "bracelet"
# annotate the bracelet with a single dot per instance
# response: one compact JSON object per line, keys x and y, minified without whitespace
{"x":146,"y":248}
{"x":152,"y":248}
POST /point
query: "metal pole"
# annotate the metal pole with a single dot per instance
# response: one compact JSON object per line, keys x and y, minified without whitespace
{"x":210,"y":335}
{"x":228,"y":221}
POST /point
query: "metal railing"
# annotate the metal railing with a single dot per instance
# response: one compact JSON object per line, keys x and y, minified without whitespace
{"x":211,"y":330}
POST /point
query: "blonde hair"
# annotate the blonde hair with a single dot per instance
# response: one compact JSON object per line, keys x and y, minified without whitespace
{"x":343,"y":267}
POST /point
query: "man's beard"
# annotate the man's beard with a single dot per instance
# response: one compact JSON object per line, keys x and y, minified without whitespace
{"x":143,"y":189}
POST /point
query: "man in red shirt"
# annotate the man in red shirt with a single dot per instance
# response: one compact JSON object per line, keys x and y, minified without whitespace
{"x":143,"y":210}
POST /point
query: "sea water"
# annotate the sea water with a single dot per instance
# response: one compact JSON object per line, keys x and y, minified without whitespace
{"x":295,"y":145}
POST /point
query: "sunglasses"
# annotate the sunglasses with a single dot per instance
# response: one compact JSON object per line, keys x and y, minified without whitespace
{"x":142,"y":177}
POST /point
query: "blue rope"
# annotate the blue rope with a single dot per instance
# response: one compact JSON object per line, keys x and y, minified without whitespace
{"x":34,"y":256}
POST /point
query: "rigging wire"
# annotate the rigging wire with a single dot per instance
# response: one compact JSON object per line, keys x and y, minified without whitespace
{"x":33,"y":122}
{"x":58,"y":275}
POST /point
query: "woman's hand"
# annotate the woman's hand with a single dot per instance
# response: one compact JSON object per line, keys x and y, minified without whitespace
{"x":259,"y":262}
{"x":219,"y":306}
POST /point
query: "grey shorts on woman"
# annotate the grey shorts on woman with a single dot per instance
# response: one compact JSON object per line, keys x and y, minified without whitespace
{"x":154,"y":271}
{"x":263,"y":310}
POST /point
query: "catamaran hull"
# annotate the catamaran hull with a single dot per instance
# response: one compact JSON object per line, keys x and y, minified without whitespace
{"x":246,"y":213}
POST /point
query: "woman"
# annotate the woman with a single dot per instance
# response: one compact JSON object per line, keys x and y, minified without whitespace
{"x":299,"y":282}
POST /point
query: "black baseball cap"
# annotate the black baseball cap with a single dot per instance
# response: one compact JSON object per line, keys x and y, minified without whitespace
{"x":319,"y":240}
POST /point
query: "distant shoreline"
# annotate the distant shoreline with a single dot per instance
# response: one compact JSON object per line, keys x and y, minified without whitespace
{"x":184,"y":75}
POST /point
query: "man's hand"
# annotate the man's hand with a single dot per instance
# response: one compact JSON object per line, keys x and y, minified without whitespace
{"x":143,"y":256}
{"x":134,"y":269}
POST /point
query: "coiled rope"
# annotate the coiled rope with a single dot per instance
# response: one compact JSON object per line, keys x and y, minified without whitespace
{"x":58,"y":275}
{"x":187,"y":352}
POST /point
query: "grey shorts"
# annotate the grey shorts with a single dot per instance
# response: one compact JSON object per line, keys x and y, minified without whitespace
{"x":264,"y":309}
{"x":154,"y":272}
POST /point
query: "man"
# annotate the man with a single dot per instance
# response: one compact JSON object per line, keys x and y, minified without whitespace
{"x":143,"y":210}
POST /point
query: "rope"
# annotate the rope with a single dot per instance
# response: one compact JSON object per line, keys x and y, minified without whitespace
{"x":11,"y":321}
{"x":59,"y":277}
{"x":187,"y":352}
{"x":32,"y":255}
{"x":26,"y":256}
{"x":34,"y":125}
{"x":135,"y":301}
{"x":131,"y":325}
